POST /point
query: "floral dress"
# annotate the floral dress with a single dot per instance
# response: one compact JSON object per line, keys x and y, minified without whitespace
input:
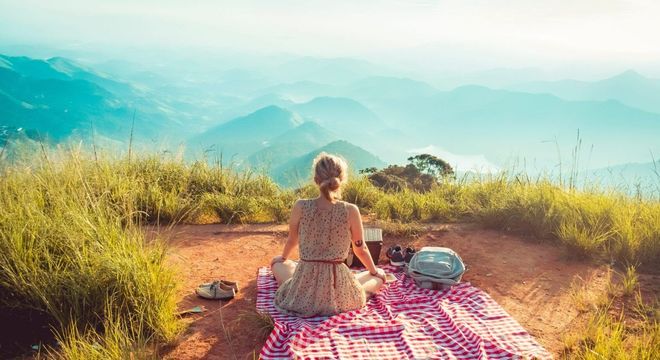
{"x":321,"y":284}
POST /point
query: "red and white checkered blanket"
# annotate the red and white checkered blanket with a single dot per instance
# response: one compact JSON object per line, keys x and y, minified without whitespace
{"x":401,"y":322}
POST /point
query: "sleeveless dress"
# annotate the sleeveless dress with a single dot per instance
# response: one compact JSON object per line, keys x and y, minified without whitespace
{"x":321,"y":285}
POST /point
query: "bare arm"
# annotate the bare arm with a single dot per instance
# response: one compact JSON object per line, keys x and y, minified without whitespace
{"x":292,"y":241}
{"x":359,"y":247}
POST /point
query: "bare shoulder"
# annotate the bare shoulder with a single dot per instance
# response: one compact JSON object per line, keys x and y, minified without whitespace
{"x":299,"y":204}
{"x":352,"y":209}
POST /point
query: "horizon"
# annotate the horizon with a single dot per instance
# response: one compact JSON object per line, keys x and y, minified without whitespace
{"x":566,"y":39}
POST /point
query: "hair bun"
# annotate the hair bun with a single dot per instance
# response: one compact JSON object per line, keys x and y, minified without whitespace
{"x":333,"y":183}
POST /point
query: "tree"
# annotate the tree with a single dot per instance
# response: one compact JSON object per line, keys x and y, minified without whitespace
{"x":368,"y":171}
{"x":431,"y":165}
{"x":398,"y":178}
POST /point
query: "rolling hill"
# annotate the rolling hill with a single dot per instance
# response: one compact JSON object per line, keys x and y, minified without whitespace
{"x":246,"y":134}
{"x":293,"y":143}
{"x":298,"y":171}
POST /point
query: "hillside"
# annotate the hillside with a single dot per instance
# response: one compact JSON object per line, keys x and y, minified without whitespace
{"x":293,"y":143}
{"x":57,"y":99}
{"x":246,"y":134}
{"x":297,"y":171}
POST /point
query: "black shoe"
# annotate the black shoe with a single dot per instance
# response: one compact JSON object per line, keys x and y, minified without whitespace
{"x":395,"y":254}
{"x":408,"y":254}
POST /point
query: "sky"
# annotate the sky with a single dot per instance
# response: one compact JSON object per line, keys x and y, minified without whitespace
{"x":485,"y":33}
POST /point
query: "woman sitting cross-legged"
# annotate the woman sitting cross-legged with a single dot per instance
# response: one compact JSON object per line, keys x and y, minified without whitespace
{"x":324,"y":228}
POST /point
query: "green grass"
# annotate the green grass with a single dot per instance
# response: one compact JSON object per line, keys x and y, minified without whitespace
{"x":632,"y":331}
{"x":610,"y":337}
{"x":629,"y":281}
{"x":72,"y":246}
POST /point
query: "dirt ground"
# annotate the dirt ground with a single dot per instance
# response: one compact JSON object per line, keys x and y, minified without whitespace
{"x":532,"y":280}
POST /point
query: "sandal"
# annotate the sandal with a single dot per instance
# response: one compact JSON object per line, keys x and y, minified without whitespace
{"x":216,"y":291}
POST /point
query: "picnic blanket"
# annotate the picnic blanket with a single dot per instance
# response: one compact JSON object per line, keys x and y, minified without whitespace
{"x":401,"y":322}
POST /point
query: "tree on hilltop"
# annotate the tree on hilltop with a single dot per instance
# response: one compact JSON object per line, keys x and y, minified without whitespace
{"x":432,"y":165}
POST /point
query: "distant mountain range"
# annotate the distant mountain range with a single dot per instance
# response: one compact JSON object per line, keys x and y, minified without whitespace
{"x":630,"y":88}
{"x":279,"y":141}
{"x":502,"y":123}
{"x":276,"y":116}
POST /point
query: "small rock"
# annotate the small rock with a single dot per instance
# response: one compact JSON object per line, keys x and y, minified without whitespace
{"x":489,"y":274}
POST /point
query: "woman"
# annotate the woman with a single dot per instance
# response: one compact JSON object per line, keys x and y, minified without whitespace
{"x":324,"y":227}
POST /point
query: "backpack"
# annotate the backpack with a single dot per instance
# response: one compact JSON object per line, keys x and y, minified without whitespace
{"x":436,"y":268}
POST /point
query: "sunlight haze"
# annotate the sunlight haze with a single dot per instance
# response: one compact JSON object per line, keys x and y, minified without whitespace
{"x":484,"y":34}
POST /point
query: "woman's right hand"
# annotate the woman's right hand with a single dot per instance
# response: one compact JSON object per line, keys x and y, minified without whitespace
{"x":380,"y":273}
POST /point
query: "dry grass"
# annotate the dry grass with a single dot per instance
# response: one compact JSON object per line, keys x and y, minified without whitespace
{"x":631,"y":332}
{"x":262,"y":322}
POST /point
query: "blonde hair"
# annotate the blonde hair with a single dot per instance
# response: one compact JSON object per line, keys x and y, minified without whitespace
{"x":330,"y":172}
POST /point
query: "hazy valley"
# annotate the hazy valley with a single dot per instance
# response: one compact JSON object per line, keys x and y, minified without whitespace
{"x":274,"y":118}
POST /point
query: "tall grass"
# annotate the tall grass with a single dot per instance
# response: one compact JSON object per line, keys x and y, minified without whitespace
{"x":605,"y":337}
{"x":70,"y":249}
{"x":72,"y":245}
{"x":595,"y":223}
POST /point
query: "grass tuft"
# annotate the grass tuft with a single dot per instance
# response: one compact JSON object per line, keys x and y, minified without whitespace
{"x":261,"y":321}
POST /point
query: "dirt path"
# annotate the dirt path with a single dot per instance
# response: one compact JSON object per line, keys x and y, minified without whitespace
{"x":530,"y":279}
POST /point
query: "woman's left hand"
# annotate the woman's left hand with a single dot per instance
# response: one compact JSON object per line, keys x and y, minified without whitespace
{"x":277,"y":259}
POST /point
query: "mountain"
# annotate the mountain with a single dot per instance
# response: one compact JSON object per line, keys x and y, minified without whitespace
{"x":308,"y":133}
{"x":293,"y":143}
{"x":340,"y":114}
{"x":57,"y":99}
{"x":253,"y":105}
{"x":630,"y":88}
{"x":245,"y":134}
{"x":503,"y":123}
{"x":297,"y":171}
{"x":59,"y":68}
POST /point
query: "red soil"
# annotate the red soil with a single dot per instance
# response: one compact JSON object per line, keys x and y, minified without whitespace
{"x":530,"y":279}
